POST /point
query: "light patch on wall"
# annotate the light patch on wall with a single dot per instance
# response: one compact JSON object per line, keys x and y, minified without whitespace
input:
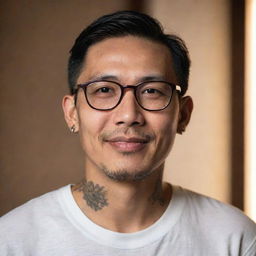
{"x":250,"y":108}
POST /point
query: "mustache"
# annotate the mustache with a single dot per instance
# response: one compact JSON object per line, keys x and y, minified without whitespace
{"x":128,"y":132}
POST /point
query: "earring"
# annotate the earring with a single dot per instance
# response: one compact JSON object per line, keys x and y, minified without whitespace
{"x":181,"y":129}
{"x":73,"y":128}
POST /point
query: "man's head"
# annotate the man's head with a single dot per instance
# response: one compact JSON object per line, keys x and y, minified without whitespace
{"x":125,"y":23}
{"x":127,"y":139}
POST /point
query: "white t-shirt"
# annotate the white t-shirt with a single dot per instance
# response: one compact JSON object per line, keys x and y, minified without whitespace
{"x":193,"y":224}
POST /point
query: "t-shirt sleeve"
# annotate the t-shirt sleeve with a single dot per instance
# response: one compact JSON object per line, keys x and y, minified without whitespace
{"x":251,"y":251}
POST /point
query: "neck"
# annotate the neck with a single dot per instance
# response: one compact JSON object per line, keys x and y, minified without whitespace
{"x":112,"y":204}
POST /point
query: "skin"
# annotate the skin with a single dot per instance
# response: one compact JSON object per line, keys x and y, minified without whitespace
{"x":126,"y":142}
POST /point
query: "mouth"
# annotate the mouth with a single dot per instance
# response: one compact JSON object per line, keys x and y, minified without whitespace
{"x":128,"y":144}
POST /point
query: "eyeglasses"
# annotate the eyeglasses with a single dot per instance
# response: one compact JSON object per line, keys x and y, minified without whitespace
{"x":150,"y":95}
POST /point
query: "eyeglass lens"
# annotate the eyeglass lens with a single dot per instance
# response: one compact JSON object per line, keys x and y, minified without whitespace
{"x":104,"y":95}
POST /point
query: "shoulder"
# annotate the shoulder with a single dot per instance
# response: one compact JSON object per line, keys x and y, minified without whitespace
{"x":30,"y":214}
{"x":23,"y":227}
{"x":220,"y":221}
{"x":211,"y":209}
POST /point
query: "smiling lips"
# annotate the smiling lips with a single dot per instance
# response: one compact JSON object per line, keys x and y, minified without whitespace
{"x":131,"y":144}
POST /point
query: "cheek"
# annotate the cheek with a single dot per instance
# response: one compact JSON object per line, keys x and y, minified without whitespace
{"x":165,"y":130}
{"x":91,"y":124}
{"x":166,"y":124}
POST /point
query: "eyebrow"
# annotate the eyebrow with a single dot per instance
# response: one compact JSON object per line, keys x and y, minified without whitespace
{"x":104,"y":77}
{"x":141,"y":79}
{"x":152,"y":78}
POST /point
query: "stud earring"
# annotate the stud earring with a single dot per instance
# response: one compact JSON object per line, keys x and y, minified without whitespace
{"x":73,"y":128}
{"x":181,"y":129}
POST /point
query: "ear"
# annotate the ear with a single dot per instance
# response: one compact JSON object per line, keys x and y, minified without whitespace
{"x":70,"y":112}
{"x":186,"y":107}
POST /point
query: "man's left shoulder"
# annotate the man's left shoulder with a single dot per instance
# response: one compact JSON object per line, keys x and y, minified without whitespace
{"x":222,"y":223}
{"x":218,"y":213}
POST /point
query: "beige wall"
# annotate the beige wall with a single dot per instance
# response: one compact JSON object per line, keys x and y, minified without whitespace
{"x":201,"y":157}
{"x":38,"y":153}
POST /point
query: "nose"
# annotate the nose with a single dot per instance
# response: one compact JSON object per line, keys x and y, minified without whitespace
{"x":128,"y":113}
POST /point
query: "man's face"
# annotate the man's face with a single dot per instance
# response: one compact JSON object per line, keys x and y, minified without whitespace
{"x":126,"y":142}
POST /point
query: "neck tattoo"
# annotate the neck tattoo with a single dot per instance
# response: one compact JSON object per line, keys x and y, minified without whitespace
{"x":93,"y":194}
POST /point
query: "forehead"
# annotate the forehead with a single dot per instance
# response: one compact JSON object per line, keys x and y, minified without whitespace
{"x":127,"y":58}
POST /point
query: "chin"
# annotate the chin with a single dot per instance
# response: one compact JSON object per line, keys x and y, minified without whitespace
{"x":124,"y":175}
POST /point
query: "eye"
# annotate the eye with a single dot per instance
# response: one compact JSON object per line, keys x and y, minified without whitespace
{"x":151,"y":91}
{"x":104,"y":89}
{"x":155,"y":90}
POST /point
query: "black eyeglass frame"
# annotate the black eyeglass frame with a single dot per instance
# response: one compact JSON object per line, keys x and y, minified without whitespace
{"x":83,"y":86}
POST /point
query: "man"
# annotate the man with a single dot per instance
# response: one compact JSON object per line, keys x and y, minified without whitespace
{"x":128,"y":80}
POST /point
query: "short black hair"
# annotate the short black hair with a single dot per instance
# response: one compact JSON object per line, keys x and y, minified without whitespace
{"x":125,"y":23}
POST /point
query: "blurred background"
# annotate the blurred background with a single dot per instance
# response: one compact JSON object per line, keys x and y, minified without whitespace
{"x":38,"y":152}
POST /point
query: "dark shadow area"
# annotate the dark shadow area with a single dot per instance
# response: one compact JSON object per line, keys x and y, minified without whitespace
{"x":137,"y":5}
{"x":237,"y":102}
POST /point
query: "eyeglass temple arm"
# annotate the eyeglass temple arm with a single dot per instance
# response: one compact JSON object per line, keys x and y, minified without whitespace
{"x":178,"y":88}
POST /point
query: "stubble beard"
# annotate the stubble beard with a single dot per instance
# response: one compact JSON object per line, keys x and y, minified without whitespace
{"x":123,"y":175}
